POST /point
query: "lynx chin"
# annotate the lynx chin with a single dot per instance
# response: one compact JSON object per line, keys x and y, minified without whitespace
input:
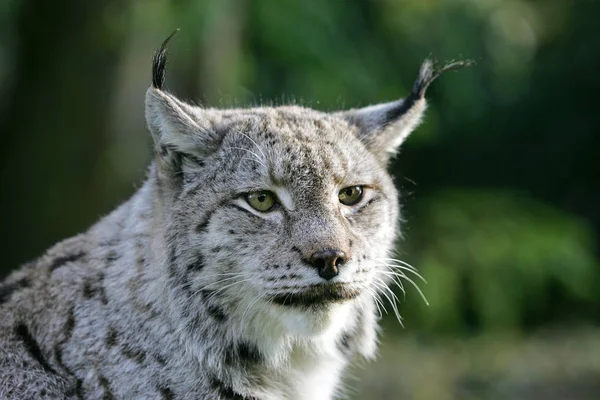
{"x":248,"y":265}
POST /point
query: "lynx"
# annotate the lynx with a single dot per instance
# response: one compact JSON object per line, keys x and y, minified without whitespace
{"x":247,"y":266}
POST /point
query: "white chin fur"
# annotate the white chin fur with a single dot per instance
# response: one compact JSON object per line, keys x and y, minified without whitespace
{"x":313,"y":322}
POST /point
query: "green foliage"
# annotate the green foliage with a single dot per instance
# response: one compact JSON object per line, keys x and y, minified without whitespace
{"x":494,"y":259}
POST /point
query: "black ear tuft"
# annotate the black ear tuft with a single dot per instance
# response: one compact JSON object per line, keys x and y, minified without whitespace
{"x":159,"y":61}
{"x":430,"y":70}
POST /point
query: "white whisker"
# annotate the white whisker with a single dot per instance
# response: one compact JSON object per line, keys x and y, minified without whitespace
{"x":252,"y":140}
{"x":249,"y":307}
{"x":398,"y":261}
{"x":401,"y":267}
{"x":258,"y":159}
{"x":377,"y":302}
{"x":403,"y":276}
{"x":397,"y":279}
{"x":393,"y":299}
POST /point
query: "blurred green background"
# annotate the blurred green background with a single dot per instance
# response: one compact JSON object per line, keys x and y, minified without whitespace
{"x":501,"y":185}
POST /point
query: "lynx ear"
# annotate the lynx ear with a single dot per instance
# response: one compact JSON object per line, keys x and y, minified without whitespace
{"x":383,"y":127}
{"x":177,"y":127}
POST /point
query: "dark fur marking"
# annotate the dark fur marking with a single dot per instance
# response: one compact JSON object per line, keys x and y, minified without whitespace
{"x":60,"y":261}
{"x":103,"y":297}
{"x":69,"y":326}
{"x":101,"y":289}
{"x":207,"y":293}
{"x":76,"y":390}
{"x":217,"y":313}
{"x":248,"y":354}
{"x":164,"y":150}
{"x":10,"y":288}
{"x":159,"y":62}
{"x":111,"y":337}
{"x":109,"y":243}
{"x":106,"y":386}
{"x":89,"y":290}
{"x":231,"y":232}
{"x":67,"y":329}
{"x":140,"y":262}
{"x":92,"y":289}
{"x":172,"y":256}
{"x":227,"y":393}
{"x":112,"y":256}
{"x":195,"y":160}
{"x":137,"y":355}
{"x":401,"y":109}
{"x":216,"y":249}
{"x":160,"y":359}
{"x":297,"y":250}
{"x":32,"y":347}
{"x":282,"y":277}
{"x":344,"y":344}
{"x":166,"y":393}
{"x":198,"y":264}
{"x":201,"y":227}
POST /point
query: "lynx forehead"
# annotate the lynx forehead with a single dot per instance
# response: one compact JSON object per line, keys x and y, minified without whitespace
{"x":248,"y":266}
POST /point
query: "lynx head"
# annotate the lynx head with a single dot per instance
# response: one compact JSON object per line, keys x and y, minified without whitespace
{"x":277,"y":214}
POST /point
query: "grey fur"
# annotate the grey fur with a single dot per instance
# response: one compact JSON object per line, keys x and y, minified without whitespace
{"x":172,"y":295}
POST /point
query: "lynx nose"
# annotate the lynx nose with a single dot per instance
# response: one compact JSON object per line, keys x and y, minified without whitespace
{"x":327,"y":262}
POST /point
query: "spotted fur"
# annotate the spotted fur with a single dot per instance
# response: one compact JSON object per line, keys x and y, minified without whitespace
{"x":187,"y":292}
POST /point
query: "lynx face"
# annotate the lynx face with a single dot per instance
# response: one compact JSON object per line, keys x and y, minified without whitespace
{"x":280,"y":215}
{"x":291,"y":212}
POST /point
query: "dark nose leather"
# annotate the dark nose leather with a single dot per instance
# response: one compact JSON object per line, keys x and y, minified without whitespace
{"x":328,"y":262}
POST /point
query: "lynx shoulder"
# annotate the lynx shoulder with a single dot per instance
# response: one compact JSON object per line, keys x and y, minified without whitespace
{"x":247,"y":266}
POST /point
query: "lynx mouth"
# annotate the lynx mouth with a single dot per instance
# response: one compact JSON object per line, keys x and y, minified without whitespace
{"x":316,"y":295}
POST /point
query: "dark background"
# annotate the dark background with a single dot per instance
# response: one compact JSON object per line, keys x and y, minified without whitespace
{"x":501,"y":183}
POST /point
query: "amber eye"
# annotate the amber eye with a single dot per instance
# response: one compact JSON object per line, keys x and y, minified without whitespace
{"x":351,"y":195}
{"x":261,"y":201}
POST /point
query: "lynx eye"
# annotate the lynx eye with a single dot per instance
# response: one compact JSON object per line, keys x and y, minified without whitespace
{"x":261,"y":201}
{"x":351,"y":195}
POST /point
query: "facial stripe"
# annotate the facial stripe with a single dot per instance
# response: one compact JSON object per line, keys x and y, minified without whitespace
{"x":32,"y":347}
{"x":8,"y":289}
{"x":60,"y":261}
{"x":227,"y":393}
